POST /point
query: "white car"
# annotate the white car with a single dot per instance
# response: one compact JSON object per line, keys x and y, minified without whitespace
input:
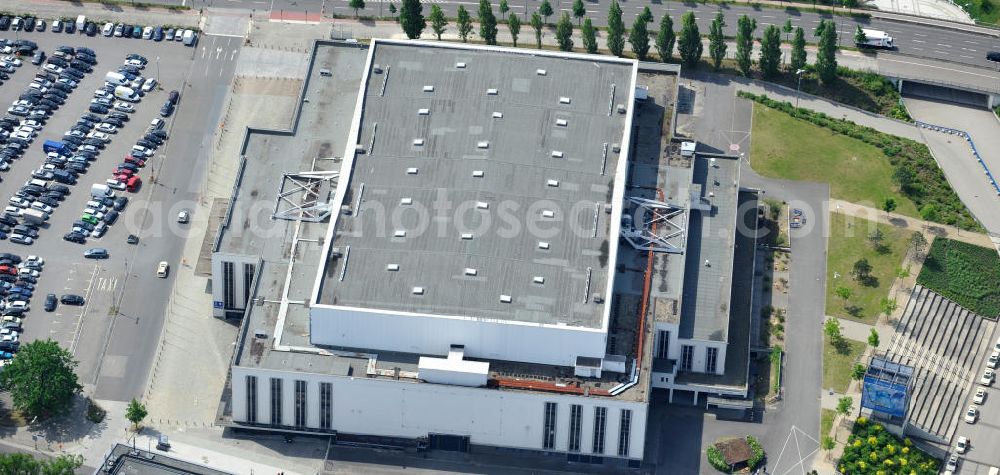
{"x":156,"y":124}
{"x":11,"y":60}
{"x":26,"y":271}
{"x":19,"y":202}
{"x":99,"y":230}
{"x":93,"y":212}
{"x":106,"y":128}
{"x":41,"y":207}
{"x":124,"y":107}
{"x":103,"y":137}
{"x":24,"y":134}
{"x":34,"y":124}
{"x":140,"y":151}
{"x":102,"y":94}
{"x":114,"y":184}
{"x":53,"y":68}
{"x":951,"y":465}
{"x":996,"y":347}
{"x":13,"y":210}
{"x":108,"y":29}
{"x":67,"y":81}
{"x":183,"y":217}
{"x":962,"y":445}
{"x":994,"y":360}
{"x":980,"y":396}
{"x":147,"y":33}
{"x":36,"y":259}
{"x":971,"y":415}
{"x":18,"y":304}
{"x":162,"y":269}
{"x":8,"y":338}
{"x":987,"y":379}
{"x":149,"y":85}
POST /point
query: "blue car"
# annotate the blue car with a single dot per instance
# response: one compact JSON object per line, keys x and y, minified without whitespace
{"x":5,"y":355}
{"x":20,"y":290}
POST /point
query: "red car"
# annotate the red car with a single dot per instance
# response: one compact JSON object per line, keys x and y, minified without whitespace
{"x":136,"y":161}
{"x":133,"y":184}
{"x":119,"y":172}
{"x":8,"y":270}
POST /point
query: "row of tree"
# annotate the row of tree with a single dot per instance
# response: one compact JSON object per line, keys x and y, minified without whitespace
{"x":688,"y":41}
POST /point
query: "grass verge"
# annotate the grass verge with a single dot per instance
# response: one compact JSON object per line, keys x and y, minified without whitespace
{"x":826,"y":417}
{"x":965,"y":273}
{"x":914,"y":170}
{"x":857,"y":172}
{"x":837,"y":363}
{"x":850,"y":241}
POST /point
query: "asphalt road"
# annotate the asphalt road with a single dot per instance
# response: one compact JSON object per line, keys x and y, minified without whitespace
{"x":912,"y":39}
{"x":115,"y":349}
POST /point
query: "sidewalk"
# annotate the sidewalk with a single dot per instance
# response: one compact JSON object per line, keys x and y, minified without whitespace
{"x":910,"y":223}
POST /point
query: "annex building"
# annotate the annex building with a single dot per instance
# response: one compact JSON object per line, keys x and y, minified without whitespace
{"x":436,"y":260}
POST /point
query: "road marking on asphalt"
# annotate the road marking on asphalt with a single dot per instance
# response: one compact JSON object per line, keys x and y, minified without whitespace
{"x":919,"y":49}
{"x":203,"y":51}
{"x":919,"y":41}
{"x":946,"y":46}
{"x":919,"y":34}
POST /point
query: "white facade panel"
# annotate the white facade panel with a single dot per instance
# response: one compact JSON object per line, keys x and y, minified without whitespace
{"x":489,"y":417}
{"x":456,"y":372}
{"x":434,"y":335}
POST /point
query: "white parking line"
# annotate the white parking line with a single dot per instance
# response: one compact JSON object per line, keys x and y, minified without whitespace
{"x":919,"y":41}
{"x":946,"y":46}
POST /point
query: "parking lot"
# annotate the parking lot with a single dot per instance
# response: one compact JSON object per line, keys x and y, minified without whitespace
{"x":114,"y":333}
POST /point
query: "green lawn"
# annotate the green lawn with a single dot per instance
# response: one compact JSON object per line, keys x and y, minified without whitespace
{"x":848,"y":243}
{"x":826,"y":417}
{"x":837,"y":365}
{"x":965,"y":273}
{"x":857,"y":172}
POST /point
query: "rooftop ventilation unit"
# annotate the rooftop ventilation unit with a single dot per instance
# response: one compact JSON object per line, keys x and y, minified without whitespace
{"x":548,"y":213}
{"x":541,"y":72}
{"x":483,"y":144}
{"x":552,"y":183}
{"x":621,"y":108}
{"x":538,"y":279}
{"x":467,"y":236}
{"x":418,"y":291}
{"x":562,"y":122}
{"x":543,"y":245}
{"x":564,"y":100}
{"x":392,"y":267}
{"x":492,"y":91}
{"x":411,"y":171}
{"x":424,"y":111}
{"x":399,"y":233}
{"x":470,"y":271}
{"x":459,"y":65}
{"x":428,"y":88}
{"x":557,"y":154}
{"x":377,"y":68}
{"x":482,"y":205}
{"x":418,"y":142}
{"x":406,"y":201}
{"x":477,"y":173}
{"x":336,"y":252}
{"x":260,"y":334}
{"x":505,"y":298}
{"x":498,"y":115}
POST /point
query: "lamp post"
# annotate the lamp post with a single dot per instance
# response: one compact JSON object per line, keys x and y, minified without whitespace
{"x":157,"y":69}
{"x":798,"y":87}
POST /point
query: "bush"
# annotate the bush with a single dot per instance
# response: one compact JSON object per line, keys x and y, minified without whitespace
{"x":716,"y":460}
{"x":915,"y":171}
{"x":756,"y":452}
{"x":95,"y":413}
{"x":964,"y":273}
{"x":871,"y":449}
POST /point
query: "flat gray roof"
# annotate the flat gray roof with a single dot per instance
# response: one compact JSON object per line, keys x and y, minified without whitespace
{"x":430,"y":191}
{"x":708,"y":266}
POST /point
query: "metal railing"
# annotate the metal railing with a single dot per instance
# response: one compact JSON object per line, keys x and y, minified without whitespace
{"x":968,"y":138}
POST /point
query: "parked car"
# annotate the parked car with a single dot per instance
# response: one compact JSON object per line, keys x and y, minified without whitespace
{"x":71,"y":299}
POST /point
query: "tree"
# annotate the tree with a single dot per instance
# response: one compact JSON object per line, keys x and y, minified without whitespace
{"x":25,"y":464}
{"x":487,"y":22}
{"x":929,"y":212}
{"x":639,"y":39}
{"x":665,"y":38}
{"x":845,"y":405}
{"x":579,"y":11}
{"x":439,"y":22}
{"x":464,"y":23}
{"x":411,"y":18}
{"x":504,"y":7}
{"x":828,"y":443}
{"x":717,"y":41}
{"x":745,"y":27}
{"x":689,"y":43}
{"x":889,"y":205}
{"x":862,"y":270}
{"x":798,"y":57}
{"x":392,"y":8}
{"x":918,"y":242}
{"x":888,"y":305}
{"x":832,"y":330}
{"x":844,"y":293}
{"x":858,"y":372}
{"x":873,"y":339}
{"x":589,"y":36}
{"x":41,"y":380}
{"x":770,"y":52}
{"x":859,"y":35}
{"x":564,"y":32}
{"x":135,"y":412}
{"x":849,"y":3}
{"x":787,"y":28}
{"x":616,"y":29}
{"x":545,"y":9}
{"x":514,"y":25}
{"x":536,"y":23}
{"x":876,"y":238}
{"x":356,"y":5}
{"x":826,"y":55}
{"x":646,"y":15}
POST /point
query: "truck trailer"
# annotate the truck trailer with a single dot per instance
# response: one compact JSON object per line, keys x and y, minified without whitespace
{"x":874,"y":39}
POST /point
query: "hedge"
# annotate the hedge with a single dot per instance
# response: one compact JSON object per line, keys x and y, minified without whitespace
{"x":914,"y":168}
{"x":872,"y":450}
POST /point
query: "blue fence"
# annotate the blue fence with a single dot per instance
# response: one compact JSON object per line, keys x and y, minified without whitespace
{"x":968,"y":138}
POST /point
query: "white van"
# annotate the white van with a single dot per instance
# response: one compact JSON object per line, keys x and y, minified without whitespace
{"x":81,"y":21}
{"x":117,"y":79}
